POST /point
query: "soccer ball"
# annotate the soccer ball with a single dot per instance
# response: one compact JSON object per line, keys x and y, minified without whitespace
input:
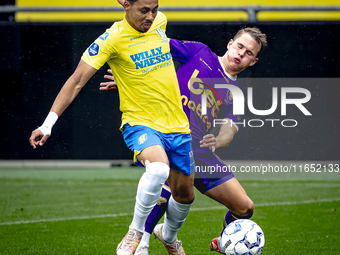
{"x":242,"y":237}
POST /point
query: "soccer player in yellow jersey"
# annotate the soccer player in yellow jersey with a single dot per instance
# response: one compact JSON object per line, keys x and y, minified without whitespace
{"x":154,"y":124}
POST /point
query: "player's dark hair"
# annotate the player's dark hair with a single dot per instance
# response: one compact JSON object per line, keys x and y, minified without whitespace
{"x":132,"y":1}
{"x":255,"y":33}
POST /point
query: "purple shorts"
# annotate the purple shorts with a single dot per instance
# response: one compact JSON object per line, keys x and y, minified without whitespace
{"x":210,"y":170}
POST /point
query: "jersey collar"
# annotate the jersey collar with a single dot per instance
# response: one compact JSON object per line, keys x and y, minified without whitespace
{"x":233,"y":78}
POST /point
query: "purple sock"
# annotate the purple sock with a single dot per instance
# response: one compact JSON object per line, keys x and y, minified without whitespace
{"x":230,"y":217}
{"x":158,"y":210}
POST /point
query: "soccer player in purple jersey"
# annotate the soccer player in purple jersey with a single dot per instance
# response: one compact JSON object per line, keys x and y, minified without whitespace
{"x":198,"y":73}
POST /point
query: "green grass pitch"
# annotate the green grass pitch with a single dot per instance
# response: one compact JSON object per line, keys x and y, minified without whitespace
{"x":88,"y":211}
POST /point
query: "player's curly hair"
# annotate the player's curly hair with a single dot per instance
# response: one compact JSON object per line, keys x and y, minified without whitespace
{"x":255,"y":33}
{"x":132,"y":1}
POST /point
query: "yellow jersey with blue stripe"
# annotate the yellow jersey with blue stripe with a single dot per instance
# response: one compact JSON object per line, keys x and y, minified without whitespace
{"x":144,"y":71}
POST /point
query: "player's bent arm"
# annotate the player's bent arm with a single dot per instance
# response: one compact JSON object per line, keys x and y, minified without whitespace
{"x":225,"y":136}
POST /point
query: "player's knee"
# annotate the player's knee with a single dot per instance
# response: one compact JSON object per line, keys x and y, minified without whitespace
{"x":247,"y":208}
{"x":189,"y":199}
{"x":250,"y":209}
{"x":158,"y":170}
{"x":151,"y":182}
{"x":184,"y":195}
{"x":185,"y":200}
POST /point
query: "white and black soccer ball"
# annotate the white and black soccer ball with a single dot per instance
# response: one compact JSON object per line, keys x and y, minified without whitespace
{"x":242,"y":237}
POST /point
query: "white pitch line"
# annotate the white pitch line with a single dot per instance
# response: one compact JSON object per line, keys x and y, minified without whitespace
{"x":65,"y":219}
{"x":192,"y":210}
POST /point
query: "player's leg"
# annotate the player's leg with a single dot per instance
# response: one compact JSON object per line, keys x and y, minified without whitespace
{"x":147,"y":147}
{"x":181,"y":183}
{"x":220,"y":184}
{"x":150,"y":184}
{"x":232,"y":195}
{"x":153,"y":219}
{"x":179,"y":203}
{"x":176,"y":214}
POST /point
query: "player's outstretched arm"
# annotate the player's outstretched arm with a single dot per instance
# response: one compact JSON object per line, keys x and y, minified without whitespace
{"x":224,"y":137}
{"x":66,"y":95}
{"x":109,"y":85}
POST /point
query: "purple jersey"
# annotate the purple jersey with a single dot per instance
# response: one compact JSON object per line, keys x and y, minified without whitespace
{"x":201,"y":69}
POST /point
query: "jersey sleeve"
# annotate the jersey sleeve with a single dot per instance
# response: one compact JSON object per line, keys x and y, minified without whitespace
{"x":183,"y":51}
{"x":101,"y":50}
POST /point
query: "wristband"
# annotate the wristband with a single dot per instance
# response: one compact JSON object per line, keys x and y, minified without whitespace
{"x":50,"y":120}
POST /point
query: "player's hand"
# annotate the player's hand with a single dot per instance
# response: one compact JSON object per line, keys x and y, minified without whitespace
{"x":208,"y":141}
{"x":37,"y":138}
{"x":109,"y":85}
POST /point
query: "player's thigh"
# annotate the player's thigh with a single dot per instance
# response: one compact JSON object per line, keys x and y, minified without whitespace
{"x":182,"y":186}
{"x":232,"y":195}
{"x":146,"y":144}
{"x":154,"y":153}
